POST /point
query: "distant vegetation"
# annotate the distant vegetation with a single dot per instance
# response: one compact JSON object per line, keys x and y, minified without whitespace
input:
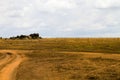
{"x":31,"y":36}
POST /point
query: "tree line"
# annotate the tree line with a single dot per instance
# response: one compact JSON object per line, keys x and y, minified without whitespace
{"x":31,"y":36}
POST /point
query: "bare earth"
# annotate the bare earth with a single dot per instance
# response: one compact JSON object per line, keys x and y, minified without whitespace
{"x":8,"y":64}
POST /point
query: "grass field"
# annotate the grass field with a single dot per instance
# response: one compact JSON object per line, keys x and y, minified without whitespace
{"x":65,"y":44}
{"x":67,"y":58}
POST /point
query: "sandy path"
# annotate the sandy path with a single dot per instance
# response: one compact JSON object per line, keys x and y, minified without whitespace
{"x":9,"y":64}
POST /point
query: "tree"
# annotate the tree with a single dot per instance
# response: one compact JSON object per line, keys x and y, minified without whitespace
{"x":34,"y":36}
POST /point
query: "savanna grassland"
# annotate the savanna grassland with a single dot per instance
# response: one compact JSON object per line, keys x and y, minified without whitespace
{"x":67,"y":58}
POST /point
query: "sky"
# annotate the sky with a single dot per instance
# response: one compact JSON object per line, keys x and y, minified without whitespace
{"x":60,"y":18}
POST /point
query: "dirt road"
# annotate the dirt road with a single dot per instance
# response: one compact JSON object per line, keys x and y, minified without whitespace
{"x":9,"y":61}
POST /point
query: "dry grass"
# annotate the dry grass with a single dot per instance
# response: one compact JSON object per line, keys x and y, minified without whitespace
{"x":68,"y":58}
{"x":70,"y":66}
{"x":1,"y":55}
{"x":65,"y":44}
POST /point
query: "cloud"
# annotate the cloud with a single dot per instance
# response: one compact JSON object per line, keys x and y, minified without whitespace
{"x":60,"y":4}
{"x":107,"y":3}
{"x":60,"y":17}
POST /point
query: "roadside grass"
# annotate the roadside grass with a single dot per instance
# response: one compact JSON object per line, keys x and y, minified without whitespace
{"x":49,"y":65}
{"x":1,"y":55}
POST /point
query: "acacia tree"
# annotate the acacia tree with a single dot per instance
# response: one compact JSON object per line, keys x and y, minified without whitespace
{"x":34,"y":36}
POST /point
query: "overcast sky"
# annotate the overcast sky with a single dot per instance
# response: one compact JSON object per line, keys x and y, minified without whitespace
{"x":60,"y":18}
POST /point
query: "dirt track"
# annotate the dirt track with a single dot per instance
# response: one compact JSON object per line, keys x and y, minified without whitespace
{"x":8,"y":64}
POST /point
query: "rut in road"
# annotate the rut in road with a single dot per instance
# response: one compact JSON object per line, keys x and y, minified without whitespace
{"x":9,"y":64}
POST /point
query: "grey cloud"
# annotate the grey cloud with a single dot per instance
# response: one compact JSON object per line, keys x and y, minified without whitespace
{"x":60,"y":17}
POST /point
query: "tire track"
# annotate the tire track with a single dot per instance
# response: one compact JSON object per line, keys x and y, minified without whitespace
{"x":9,"y":64}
